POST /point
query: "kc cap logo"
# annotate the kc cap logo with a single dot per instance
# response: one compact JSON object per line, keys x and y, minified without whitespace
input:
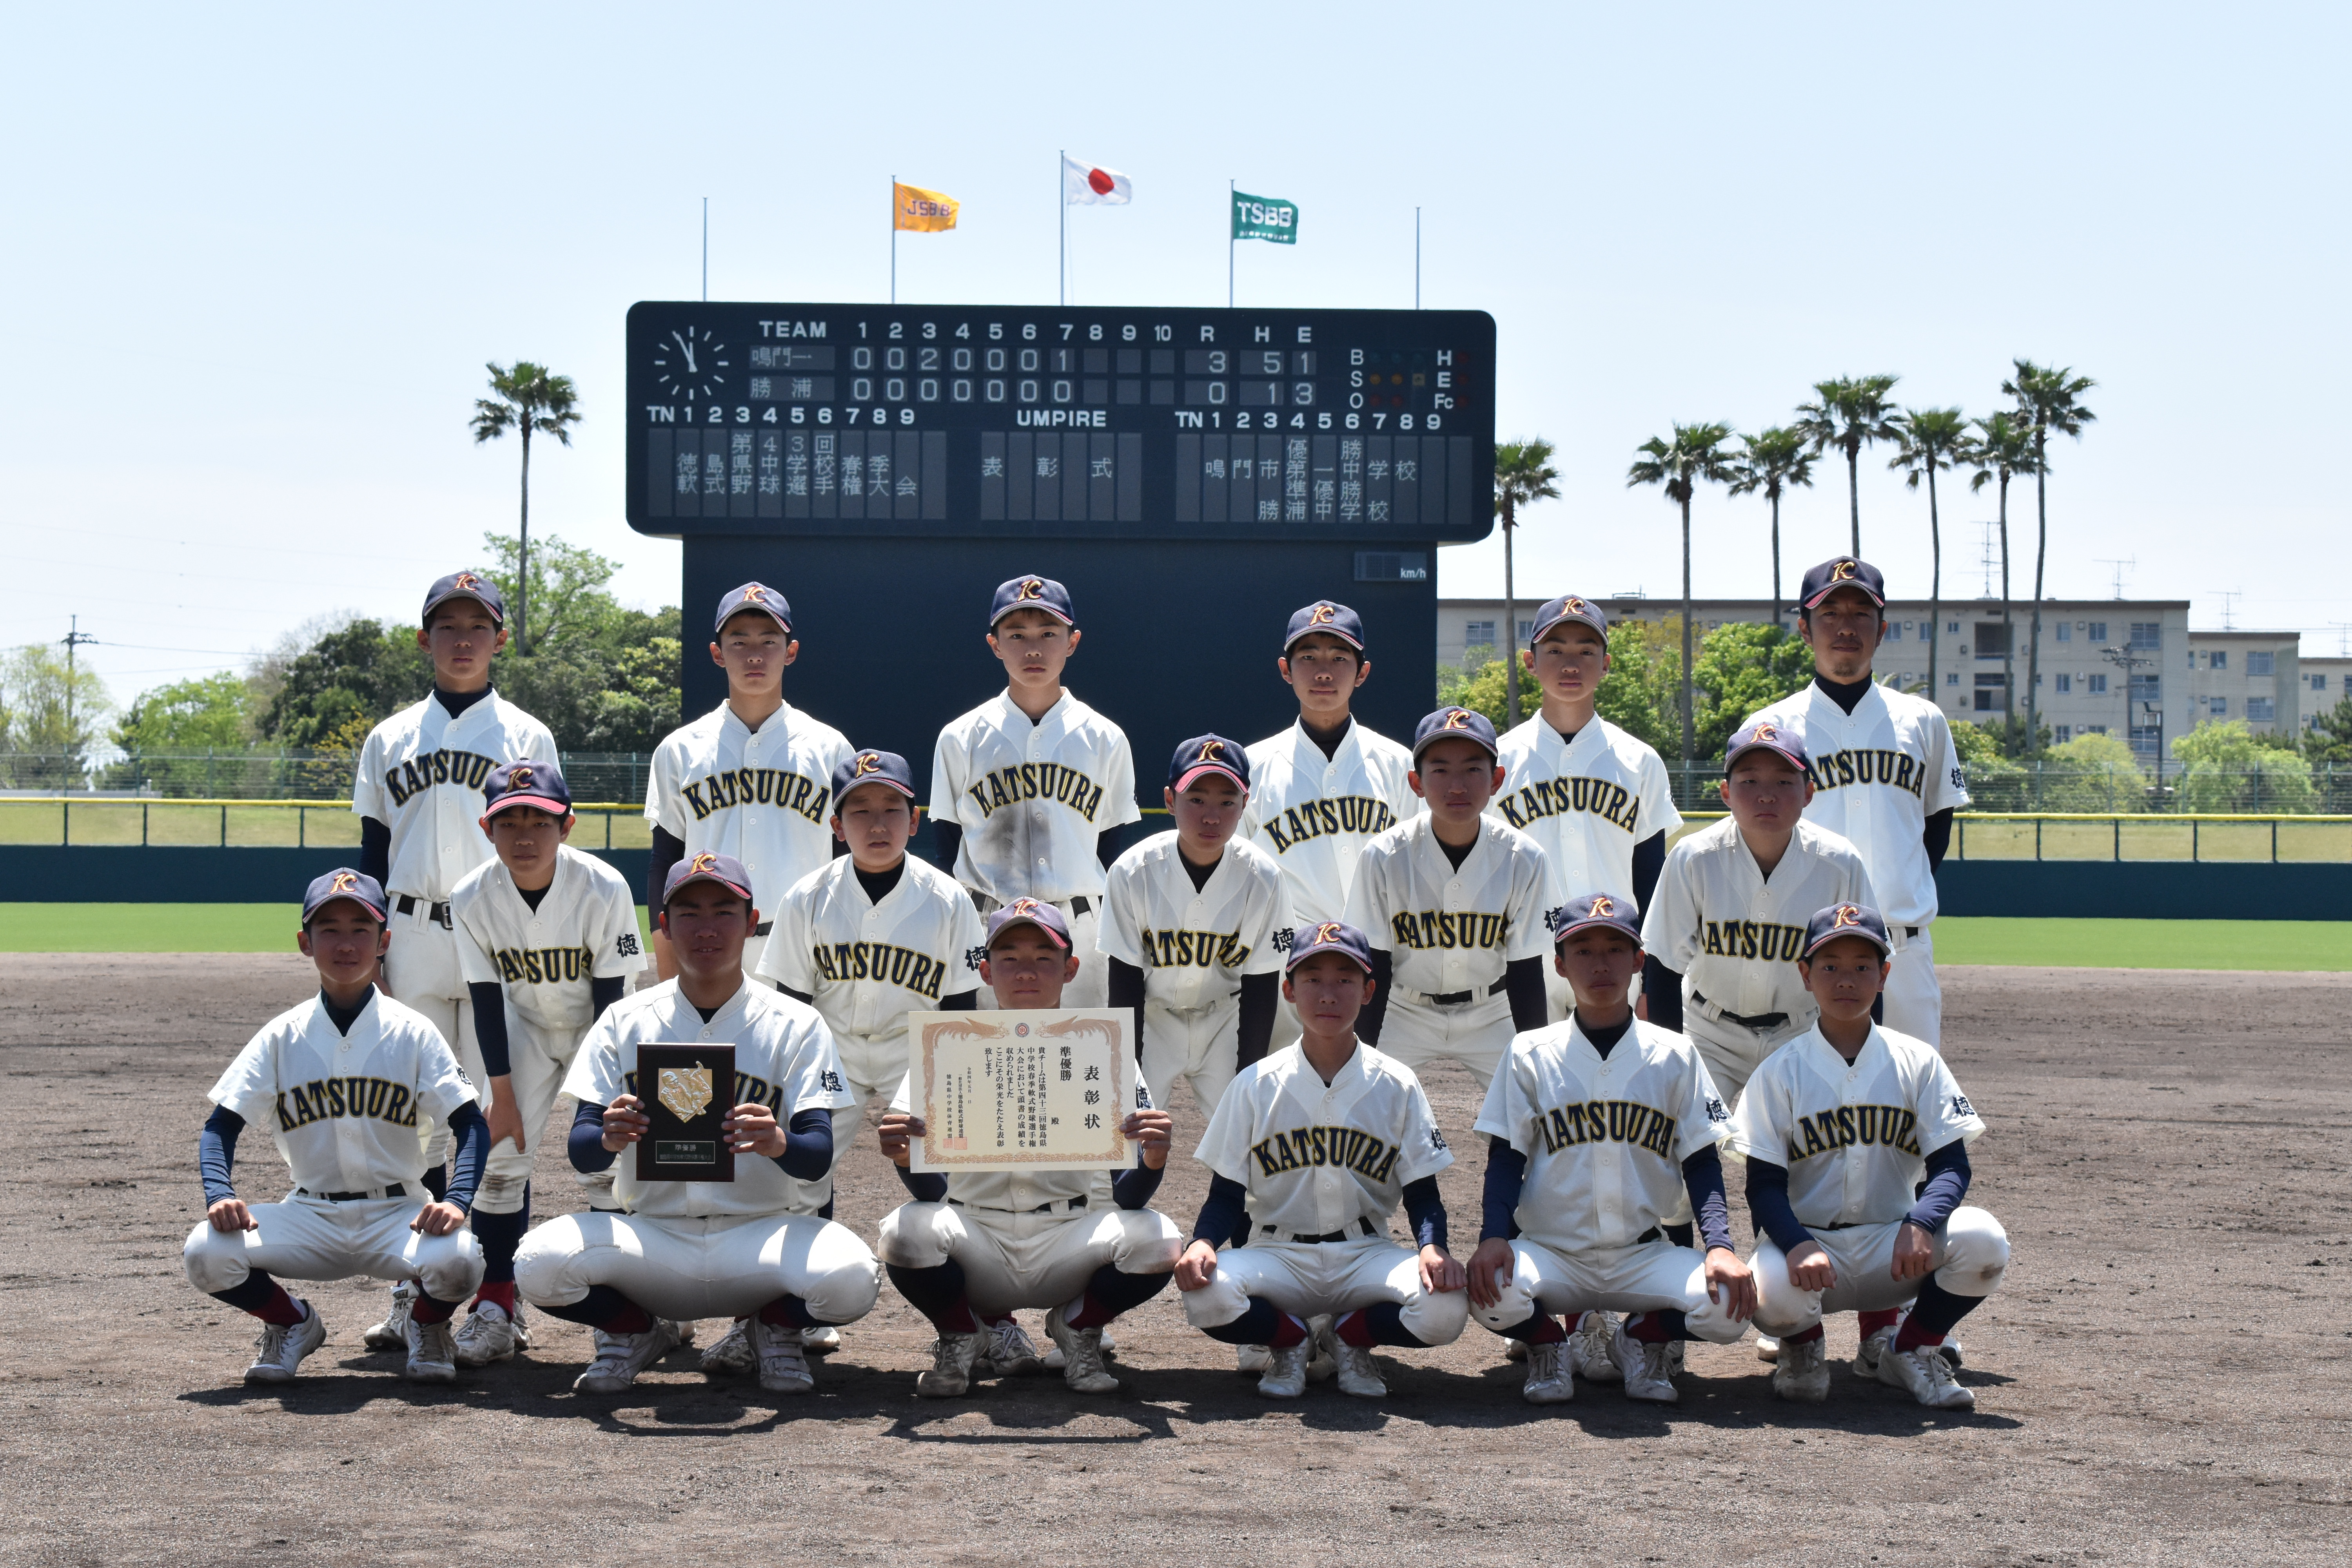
{"x":468,"y":581}
{"x":1576,"y":607}
{"x":1322,"y":615}
{"x":1766,"y":733}
{"x":1842,"y":572}
{"x":1031,"y":588}
{"x":703,"y":863}
{"x":520,"y":776}
{"x":755,"y":594}
{"x":1325,"y":933}
{"x":1847,"y":915}
{"x":1213,"y":751}
{"x":1604,"y":905}
{"x":684,"y":1091}
{"x":1456,"y":719}
{"x":344,"y":882}
{"x":1026,"y":907}
{"x":867,"y":763}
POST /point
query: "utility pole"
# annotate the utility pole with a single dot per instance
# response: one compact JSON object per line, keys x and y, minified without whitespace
{"x":2127,"y":660}
{"x":75,"y":636}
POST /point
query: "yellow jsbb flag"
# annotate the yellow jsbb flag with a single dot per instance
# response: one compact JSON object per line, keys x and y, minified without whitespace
{"x":925,"y":212}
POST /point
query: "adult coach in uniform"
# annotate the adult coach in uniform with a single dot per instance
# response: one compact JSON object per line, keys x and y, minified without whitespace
{"x":1887,"y":779}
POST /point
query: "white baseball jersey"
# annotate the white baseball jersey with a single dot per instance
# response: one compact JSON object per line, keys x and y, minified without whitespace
{"x":1318,"y":1157}
{"x":1194,"y":947}
{"x":585,"y":928}
{"x":764,"y":798}
{"x":1033,"y":798}
{"x":1587,"y":802}
{"x":421,"y":775}
{"x":1449,"y":930}
{"x":1855,"y":1137}
{"x":784,"y":1059}
{"x":1021,"y":1191}
{"x":1605,"y":1139}
{"x":347,"y":1111}
{"x":1315,"y":813}
{"x":1736,"y":937}
{"x":1880,"y":772}
{"x":867,"y":965}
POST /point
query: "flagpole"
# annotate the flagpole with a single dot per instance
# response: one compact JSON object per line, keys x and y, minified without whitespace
{"x":1229,"y":245}
{"x":1062,"y":257}
{"x":894,"y":239}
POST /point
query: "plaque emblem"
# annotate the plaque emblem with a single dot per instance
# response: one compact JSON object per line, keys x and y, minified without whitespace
{"x":685,"y":1092}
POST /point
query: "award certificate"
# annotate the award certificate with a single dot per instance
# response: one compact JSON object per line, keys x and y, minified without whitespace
{"x":1023,"y":1091}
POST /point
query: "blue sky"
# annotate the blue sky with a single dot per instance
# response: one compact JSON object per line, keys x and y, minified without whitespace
{"x":255,"y":260}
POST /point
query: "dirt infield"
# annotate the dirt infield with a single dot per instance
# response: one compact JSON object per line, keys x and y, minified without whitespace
{"x":2162,"y":1373}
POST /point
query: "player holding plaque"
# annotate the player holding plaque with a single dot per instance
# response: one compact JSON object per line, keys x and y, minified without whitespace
{"x":750,"y":1247}
{"x":1026,"y":1230}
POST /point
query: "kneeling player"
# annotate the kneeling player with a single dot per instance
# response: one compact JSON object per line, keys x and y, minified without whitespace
{"x":1597,"y":1127}
{"x":747,"y":1248}
{"x":1312,"y":1150}
{"x":343,"y":1080}
{"x":1859,"y":1220}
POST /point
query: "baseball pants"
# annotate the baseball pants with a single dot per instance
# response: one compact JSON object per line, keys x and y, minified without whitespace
{"x":720,"y":1266}
{"x":1732,"y":1054}
{"x":1476,"y":1033}
{"x":1646,"y":1277}
{"x":420,"y":972}
{"x":1310,"y":1277}
{"x":1200,"y":1045}
{"x":1914,"y":1001}
{"x":1036,"y":1259}
{"x":869,"y":1068}
{"x":313,"y":1238}
{"x":1092,"y":987}
{"x":537,"y":1059}
{"x":1970,"y":1255}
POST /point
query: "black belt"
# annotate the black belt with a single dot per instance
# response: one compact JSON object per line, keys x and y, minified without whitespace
{"x":1078,"y":906}
{"x":1074,"y":1205}
{"x":438,"y":913}
{"x":764,"y":928}
{"x":1652,"y":1234}
{"x":1365,"y":1225}
{"x":1455,"y":998}
{"x":1760,"y":1021}
{"x":1847,"y":1226}
{"x":1910,"y":931}
{"x":394,"y":1190}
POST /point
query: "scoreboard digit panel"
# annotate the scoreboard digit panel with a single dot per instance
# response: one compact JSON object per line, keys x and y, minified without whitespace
{"x":1026,"y":422}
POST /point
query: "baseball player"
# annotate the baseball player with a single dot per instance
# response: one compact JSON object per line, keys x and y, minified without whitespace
{"x":1453,"y":904}
{"x":752,"y":1248}
{"x":1188,"y":928}
{"x":547,"y":941}
{"x":972,"y":1247}
{"x":341,"y":1082}
{"x":1886,"y":778}
{"x":1026,"y":787}
{"x":1599,"y":802}
{"x":1310,"y":1152}
{"x":1599,"y":1128}
{"x":1856,"y":1144}
{"x":750,"y":779}
{"x":417,"y":789}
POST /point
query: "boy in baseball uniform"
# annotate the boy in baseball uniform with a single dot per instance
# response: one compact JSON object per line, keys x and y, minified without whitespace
{"x":417,"y":788}
{"x":1856,"y":1138}
{"x":547,"y":941}
{"x":974,"y":1246}
{"x":750,"y":1248}
{"x":1887,"y":778}
{"x":343,"y":1083}
{"x":1026,"y":787}
{"x":1599,"y":802}
{"x":1188,"y":928}
{"x":1600,"y":1129}
{"x":751,"y":778}
{"x":1452,"y":902}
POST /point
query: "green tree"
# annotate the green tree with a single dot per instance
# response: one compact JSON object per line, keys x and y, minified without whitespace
{"x":1773,"y":460}
{"x":1849,"y":412}
{"x":1745,"y":666}
{"x":1523,"y":476}
{"x":2094,"y":773}
{"x":167,"y":733}
{"x":1931,"y":439}
{"x":2329,"y":739}
{"x":54,"y":713}
{"x":528,"y":401}
{"x":1995,"y":782}
{"x":1485,"y":690}
{"x":1646,"y":671}
{"x":568,"y":583}
{"x":2230,"y":771}
{"x":2001,"y":451}
{"x":1695,"y":455}
{"x":361,"y":672}
{"x":2050,"y":399}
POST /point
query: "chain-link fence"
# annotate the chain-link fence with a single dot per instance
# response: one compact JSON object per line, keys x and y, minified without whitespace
{"x":267,"y":775}
{"x":2292,"y":787}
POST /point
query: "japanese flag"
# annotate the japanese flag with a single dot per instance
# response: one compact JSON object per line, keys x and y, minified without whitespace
{"x":1084,"y":184}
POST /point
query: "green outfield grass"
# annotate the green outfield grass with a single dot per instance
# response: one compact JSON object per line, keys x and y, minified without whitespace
{"x":2146,"y":944}
{"x":154,"y":928}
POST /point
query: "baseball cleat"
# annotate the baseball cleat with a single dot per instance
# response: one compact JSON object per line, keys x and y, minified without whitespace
{"x":1951,"y":1341}
{"x":1007,"y":1350}
{"x":1928,"y":1376}
{"x":1549,"y":1381}
{"x":732,"y":1356}
{"x":1082,"y":1359}
{"x":1867,"y":1357}
{"x":951,"y":1361}
{"x":1359,"y":1375}
{"x":820,"y":1339}
{"x":1053,"y":1357}
{"x":1252,"y":1358}
{"x":1644,"y":1368}
{"x":487,"y":1334}
{"x":1324,"y":1362}
{"x":282,"y":1346}
{"x":783,"y":1368}
{"x":620,"y":1357}
{"x":1674,"y":1349}
{"x":1802,"y":1372}
{"x":391,"y":1334}
{"x":1767,"y":1348}
{"x":1589,"y":1352}
{"x":1286,"y":1371}
{"x":432,"y":1352}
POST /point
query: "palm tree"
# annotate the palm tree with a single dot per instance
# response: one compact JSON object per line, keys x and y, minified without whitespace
{"x":1849,"y":412}
{"x":2048,"y":399}
{"x":1932,"y":438}
{"x":1695,"y":454}
{"x":1522,"y":475}
{"x":1775,"y":459}
{"x":2001,"y":450}
{"x":530,"y":401}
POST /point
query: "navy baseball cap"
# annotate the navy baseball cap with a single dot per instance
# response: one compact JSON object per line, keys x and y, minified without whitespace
{"x":756,"y":596}
{"x":1029,"y":912}
{"x":1596,"y":909}
{"x":1331,"y":936}
{"x":1847,"y":919}
{"x":1568,"y":607}
{"x":1323,"y":616}
{"x":1207,"y":754}
{"x":466,"y":586}
{"x":873,"y":767}
{"x":1032,"y":594}
{"x":708,"y":866}
{"x":1842,"y":572}
{"x":527,"y":782}
{"x":344,"y":883}
{"x":1454,"y":724}
{"x":1768,"y":736}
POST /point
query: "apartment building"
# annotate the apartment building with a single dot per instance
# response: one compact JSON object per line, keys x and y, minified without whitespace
{"x":2255,"y":676}
{"x":2322,"y":685}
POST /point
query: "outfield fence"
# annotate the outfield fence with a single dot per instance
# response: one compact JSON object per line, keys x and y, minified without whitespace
{"x":2219,"y":838}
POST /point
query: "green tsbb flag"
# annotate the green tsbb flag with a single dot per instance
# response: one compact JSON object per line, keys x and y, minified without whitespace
{"x":1264,"y":218}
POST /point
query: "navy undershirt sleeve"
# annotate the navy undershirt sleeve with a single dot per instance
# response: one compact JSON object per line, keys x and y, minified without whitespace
{"x":1261,"y":998}
{"x":1663,"y":987}
{"x":1523,"y":981}
{"x":586,"y":1148}
{"x":1133,"y":1189}
{"x":217,"y":1152}
{"x":1768,"y":1205}
{"x":1125,"y":989}
{"x":603,"y":990}
{"x":1507,"y":1173}
{"x":1937,"y":836}
{"x":947,"y":838}
{"x":1368,"y":1022}
{"x":490,"y":1026}
{"x":472,"y":1133}
{"x":961,"y":1001}
{"x":1425,"y":1211}
{"x":1947,"y":1183}
{"x":808,"y":1145}
{"x":376,"y":850}
{"x":669,"y":850}
{"x":795,"y":996}
{"x":1703,"y":1179}
{"x":1107,"y":848}
{"x":1226,"y":1212}
{"x":1649,"y":864}
{"x":924,"y":1186}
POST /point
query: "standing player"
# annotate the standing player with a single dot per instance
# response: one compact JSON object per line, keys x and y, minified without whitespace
{"x":340,"y":1082}
{"x":417,"y":789}
{"x":685,"y":1251}
{"x":1452,"y":904}
{"x":1600,"y":1127}
{"x":547,"y":941}
{"x":1859,"y":1219}
{"x":750,"y":778}
{"x":1889,"y":778}
{"x":1189,"y":929}
{"x":1598,"y":800}
{"x":974,"y":1246}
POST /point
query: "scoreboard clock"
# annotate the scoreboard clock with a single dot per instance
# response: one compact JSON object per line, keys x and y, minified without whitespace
{"x":1022,"y":422}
